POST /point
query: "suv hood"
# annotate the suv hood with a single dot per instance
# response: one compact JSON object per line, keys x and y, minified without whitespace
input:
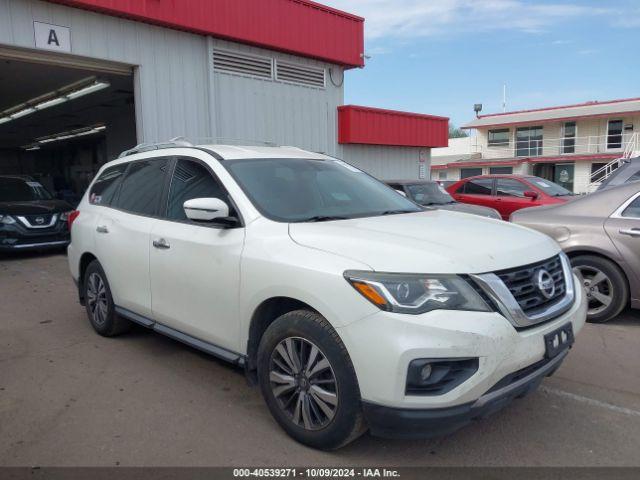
{"x":34,"y":208}
{"x":427,"y":242}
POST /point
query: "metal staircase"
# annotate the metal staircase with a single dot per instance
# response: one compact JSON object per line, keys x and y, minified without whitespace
{"x":632,"y":149}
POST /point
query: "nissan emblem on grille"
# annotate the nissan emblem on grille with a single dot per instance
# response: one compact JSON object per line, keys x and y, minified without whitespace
{"x":39,"y":220}
{"x":544,"y":282}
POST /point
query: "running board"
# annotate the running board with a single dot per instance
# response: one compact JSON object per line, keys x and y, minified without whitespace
{"x":210,"y":348}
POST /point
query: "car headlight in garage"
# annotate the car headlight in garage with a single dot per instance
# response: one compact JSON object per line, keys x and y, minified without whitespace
{"x":416,"y":293}
{"x":7,"y":220}
{"x":64,"y":216}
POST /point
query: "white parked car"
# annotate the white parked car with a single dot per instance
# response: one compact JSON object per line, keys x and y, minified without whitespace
{"x":353,"y":307}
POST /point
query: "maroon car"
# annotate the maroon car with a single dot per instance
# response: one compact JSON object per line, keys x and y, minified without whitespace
{"x":508,"y":193}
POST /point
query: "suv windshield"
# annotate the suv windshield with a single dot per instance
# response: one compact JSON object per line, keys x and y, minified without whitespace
{"x":550,"y":188}
{"x":429,"y":194}
{"x":307,"y":190}
{"x":19,"y":190}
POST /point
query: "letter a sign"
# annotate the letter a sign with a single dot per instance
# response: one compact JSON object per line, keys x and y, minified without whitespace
{"x":52,"y":37}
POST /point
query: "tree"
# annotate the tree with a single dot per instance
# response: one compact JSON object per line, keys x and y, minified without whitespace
{"x":455,"y":132}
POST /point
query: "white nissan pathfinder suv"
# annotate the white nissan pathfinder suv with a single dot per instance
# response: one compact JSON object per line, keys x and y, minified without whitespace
{"x":351,"y":306}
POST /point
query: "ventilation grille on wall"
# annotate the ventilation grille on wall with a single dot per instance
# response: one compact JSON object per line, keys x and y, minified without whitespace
{"x":301,"y":74}
{"x":233,"y":62}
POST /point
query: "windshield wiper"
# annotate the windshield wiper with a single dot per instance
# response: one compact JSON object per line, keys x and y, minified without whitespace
{"x":395,"y":212}
{"x":323,"y":218}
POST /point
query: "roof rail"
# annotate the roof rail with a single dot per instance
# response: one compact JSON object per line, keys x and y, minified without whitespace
{"x":146,"y":147}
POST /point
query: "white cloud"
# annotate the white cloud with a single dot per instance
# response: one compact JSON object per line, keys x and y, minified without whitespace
{"x":417,"y":18}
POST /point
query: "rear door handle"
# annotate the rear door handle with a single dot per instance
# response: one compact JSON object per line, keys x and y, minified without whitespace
{"x":161,"y":243}
{"x":102,"y":229}
{"x":632,"y":232}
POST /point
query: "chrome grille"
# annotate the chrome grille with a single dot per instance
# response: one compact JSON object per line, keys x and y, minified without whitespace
{"x":522,"y":284}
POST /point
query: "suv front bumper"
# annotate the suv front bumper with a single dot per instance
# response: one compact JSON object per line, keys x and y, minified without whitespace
{"x":383,"y":344}
{"x":16,"y":237}
{"x":412,"y":423}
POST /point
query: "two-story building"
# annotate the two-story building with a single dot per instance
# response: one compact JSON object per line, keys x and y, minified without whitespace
{"x":574,"y":145}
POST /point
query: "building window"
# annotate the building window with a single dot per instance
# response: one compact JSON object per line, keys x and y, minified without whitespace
{"x":470,"y":172}
{"x":442,"y":175}
{"x":529,"y":142}
{"x":499,"y":138}
{"x":501,"y":170}
{"x":614,"y":134}
{"x":594,"y":168}
{"x":569,"y":138}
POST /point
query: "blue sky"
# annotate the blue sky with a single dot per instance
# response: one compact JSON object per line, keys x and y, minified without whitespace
{"x":442,"y":56}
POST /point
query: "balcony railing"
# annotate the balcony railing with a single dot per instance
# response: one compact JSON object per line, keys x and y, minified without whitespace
{"x":552,"y":147}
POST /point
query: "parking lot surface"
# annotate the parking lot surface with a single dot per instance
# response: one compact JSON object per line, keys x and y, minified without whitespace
{"x":70,"y":397}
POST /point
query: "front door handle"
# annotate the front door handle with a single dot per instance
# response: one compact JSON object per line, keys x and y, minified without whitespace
{"x":161,"y":243}
{"x":632,"y":232}
{"x":102,"y":229}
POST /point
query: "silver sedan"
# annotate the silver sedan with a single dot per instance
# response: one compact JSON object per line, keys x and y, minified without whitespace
{"x":601,"y":234}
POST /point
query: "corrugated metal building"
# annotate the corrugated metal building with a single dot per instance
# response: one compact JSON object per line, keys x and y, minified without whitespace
{"x":81,"y":80}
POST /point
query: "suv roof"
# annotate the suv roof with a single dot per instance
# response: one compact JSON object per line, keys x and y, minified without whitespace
{"x":499,"y":175}
{"x":227,"y":152}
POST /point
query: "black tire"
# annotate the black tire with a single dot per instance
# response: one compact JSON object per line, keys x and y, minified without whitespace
{"x":617,"y":287}
{"x":107,"y":323}
{"x":310,"y":329}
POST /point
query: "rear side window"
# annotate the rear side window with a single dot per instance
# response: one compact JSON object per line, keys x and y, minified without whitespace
{"x":191,"y":180}
{"x":633,"y":210}
{"x":480,"y":186}
{"x":506,"y":187}
{"x":105,"y":187}
{"x":142,"y":186}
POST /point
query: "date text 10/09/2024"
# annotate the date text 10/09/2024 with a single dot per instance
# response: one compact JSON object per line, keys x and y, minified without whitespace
{"x":315,"y":473}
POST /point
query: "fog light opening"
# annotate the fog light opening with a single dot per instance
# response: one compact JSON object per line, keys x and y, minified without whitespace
{"x":426,"y":371}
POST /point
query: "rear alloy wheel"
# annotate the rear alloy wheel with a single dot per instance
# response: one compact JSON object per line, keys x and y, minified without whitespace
{"x":604,"y":285}
{"x":99,"y":303}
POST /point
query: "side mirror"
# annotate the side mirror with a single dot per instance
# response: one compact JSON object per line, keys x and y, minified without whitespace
{"x":211,"y":210}
{"x":531,"y":194}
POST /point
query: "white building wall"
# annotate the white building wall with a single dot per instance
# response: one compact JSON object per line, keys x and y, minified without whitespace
{"x":254,"y":109}
{"x":388,"y":163}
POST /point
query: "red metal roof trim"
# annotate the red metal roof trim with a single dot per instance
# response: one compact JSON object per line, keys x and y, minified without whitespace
{"x":375,"y":126}
{"x":300,"y":27}
{"x":560,"y":107}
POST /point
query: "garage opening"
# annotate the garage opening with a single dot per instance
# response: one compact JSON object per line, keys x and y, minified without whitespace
{"x":60,"y":123}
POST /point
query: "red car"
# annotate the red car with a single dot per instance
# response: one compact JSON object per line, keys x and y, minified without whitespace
{"x":508,"y":193}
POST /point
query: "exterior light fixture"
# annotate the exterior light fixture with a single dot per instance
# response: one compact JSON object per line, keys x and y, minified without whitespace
{"x":70,"y":92}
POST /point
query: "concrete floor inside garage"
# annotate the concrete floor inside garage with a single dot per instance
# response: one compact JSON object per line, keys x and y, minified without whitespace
{"x":70,"y":397}
{"x":65,"y":166}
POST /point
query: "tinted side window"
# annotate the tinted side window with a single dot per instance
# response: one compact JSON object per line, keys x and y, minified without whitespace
{"x":191,"y":180}
{"x":481,"y":186}
{"x":142,"y":186}
{"x":506,"y":187}
{"x":633,"y":210}
{"x":105,"y":187}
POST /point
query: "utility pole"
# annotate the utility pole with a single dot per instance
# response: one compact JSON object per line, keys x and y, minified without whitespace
{"x":504,"y":97}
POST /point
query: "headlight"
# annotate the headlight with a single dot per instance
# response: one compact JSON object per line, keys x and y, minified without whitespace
{"x":7,"y":219}
{"x":416,"y":293}
{"x":64,"y":216}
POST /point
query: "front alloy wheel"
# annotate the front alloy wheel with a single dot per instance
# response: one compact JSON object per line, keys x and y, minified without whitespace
{"x":598,"y":288}
{"x":605,"y":286}
{"x":303,"y":383}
